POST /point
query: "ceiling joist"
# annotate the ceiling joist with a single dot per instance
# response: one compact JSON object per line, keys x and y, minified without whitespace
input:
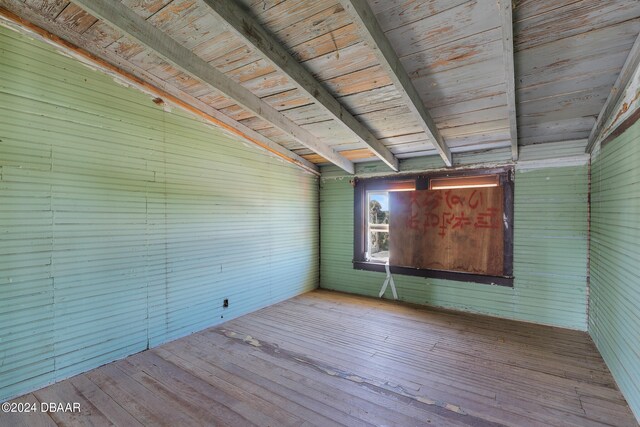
{"x":506,"y":18}
{"x":373,"y":35}
{"x":127,"y":21}
{"x":625,"y":78}
{"x":247,"y":28}
{"x":28,"y":23}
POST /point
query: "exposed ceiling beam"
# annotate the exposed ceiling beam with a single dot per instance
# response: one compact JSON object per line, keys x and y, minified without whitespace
{"x":127,"y":21}
{"x":146,"y":83}
{"x":615,"y":96}
{"x":373,"y":35}
{"x":506,"y":21}
{"x":242,"y":23}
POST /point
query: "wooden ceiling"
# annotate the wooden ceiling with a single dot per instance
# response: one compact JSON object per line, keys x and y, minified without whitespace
{"x":567,"y":56}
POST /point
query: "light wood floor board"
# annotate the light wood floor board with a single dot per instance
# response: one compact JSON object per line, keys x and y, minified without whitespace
{"x":330,"y":359}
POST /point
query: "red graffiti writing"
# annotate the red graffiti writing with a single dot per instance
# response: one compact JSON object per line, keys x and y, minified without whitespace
{"x":475,"y":199}
{"x":487,"y":219}
{"x":432,"y":201}
{"x":431,"y":220}
{"x":453,"y":199}
{"x":459,"y":221}
{"x":446,"y":220}
{"x":413,"y":222}
{"x":462,"y":213}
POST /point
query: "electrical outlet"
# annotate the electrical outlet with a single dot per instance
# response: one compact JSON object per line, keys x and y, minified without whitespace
{"x":225,"y":303}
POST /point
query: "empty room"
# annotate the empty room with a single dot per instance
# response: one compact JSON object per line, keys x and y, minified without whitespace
{"x":319,"y":213}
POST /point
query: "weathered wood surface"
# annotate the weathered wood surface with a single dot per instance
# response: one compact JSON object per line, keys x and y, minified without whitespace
{"x":622,"y":101}
{"x":377,"y":40}
{"x":179,"y":56}
{"x":323,"y":37}
{"x":330,"y":359}
{"x":49,"y":8}
{"x":452,"y":230}
{"x":506,"y":13}
{"x":246,"y":27}
{"x":454,"y":59}
{"x":147,"y":83}
{"x":567,"y":58}
{"x":540,"y":22}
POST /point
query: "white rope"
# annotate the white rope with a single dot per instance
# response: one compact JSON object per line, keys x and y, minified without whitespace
{"x":387,"y":281}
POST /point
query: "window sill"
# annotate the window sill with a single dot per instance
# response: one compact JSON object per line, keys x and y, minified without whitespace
{"x":436,"y":274}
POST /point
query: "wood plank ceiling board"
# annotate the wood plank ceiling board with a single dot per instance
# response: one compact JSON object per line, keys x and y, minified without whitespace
{"x":458,"y":71}
{"x":335,"y":57}
{"x":146,"y":33}
{"x":139,"y":56}
{"x":263,"y":81}
{"x":572,"y":57}
{"x":386,"y":54}
{"x":75,"y":18}
{"x":115,"y":65}
{"x":465,"y":75}
{"x":183,"y":18}
{"x":322,"y":35}
{"x":347,"y":78}
{"x":553,"y":131}
{"x":49,"y":8}
{"x":320,"y":30}
{"x":615,"y":99}
{"x":291,"y":31}
{"x":355,"y":59}
{"x":562,"y":20}
{"x":567,"y":58}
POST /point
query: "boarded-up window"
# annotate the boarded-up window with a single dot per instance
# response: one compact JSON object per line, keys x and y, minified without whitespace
{"x":456,"y":225}
{"x":457,"y":229}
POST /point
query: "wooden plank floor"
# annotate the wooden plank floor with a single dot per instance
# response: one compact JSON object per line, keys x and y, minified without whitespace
{"x":330,"y":359}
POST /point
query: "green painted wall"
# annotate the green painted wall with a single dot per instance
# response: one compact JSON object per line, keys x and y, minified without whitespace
{"x":550,"y":254}
{"x":614,"y":313}
{"x":123,"y":226}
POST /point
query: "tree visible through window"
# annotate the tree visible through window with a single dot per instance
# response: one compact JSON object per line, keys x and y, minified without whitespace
{"x":378,"y":244}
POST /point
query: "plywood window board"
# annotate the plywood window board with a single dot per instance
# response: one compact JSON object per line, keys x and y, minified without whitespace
{"x":456,"y":225}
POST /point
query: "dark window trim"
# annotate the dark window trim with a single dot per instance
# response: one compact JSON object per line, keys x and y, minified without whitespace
{"x":362,"y":185}
{"x":435,"y":274}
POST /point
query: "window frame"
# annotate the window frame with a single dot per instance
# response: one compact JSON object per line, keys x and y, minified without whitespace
{"x":384,"y":228}
{"x":421,"y":181}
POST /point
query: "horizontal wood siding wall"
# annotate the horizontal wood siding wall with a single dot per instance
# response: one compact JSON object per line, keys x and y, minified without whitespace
{"x":614,"y":320}
{"x":550,"y":254}
{"x":123,"y":226}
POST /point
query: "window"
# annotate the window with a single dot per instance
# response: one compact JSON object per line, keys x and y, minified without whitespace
{"x":455,"y":225}
{"x":378,"y":222}
{"x":378,"y":226}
